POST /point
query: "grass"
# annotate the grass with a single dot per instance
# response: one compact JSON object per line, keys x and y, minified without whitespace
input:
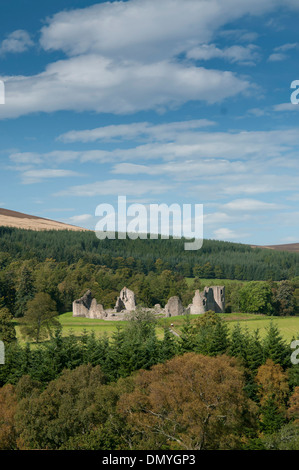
{"x":213,"y":282}
{"x":76,"y":325}
{"x":288,"y":326}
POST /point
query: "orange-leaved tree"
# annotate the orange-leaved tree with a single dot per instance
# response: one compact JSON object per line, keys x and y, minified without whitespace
{"x":191,"y":402}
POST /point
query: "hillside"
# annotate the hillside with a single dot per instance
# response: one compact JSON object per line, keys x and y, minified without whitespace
{"x":216,"y":259}
{"x":15,"y":219}
{"x":291,"y":247}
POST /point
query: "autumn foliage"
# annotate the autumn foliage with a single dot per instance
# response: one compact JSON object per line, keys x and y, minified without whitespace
{"x":191,"y":402}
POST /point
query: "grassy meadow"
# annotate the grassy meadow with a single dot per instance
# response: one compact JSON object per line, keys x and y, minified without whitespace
{"x":288,"y":326}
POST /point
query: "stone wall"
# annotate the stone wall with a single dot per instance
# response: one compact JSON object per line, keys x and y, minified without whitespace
{"x":125,"y":301}
{"x":212,"y":298}
{"x":88,"y":307}
{"x":174,"y":307}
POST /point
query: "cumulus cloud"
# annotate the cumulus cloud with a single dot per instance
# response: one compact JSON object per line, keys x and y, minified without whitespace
{"x":16,"y":42}
{"x":126,"y":57}
{"x":94,"y":83}
{"x":147,"y":30}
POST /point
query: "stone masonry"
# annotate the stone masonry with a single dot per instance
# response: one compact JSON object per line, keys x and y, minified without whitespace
{"x":212,"y":298}
{"x":125,"y":301}
{"x":88,"y":307}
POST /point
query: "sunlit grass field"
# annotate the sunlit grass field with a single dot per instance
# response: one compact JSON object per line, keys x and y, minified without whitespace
{"x":288,"y":326}
{"x":213,"y":282}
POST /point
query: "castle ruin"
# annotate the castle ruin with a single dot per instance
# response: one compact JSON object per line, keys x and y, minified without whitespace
{"x":212,"y":298}
{"x":88,"y":307}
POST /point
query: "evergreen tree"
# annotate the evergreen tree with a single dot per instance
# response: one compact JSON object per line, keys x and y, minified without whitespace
{"x":187,"y":336}
{"x":168,"y":346}
{"x":25,"y":291}
{"x":7,"y":329}
{"x":254,"y":352}
{"x":238,"y":343}
{"x":275,"y":347}
{"x":272,"y":418}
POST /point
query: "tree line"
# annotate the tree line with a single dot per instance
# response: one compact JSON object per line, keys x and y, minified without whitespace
{"x":216,"y":259}
{"x":207,"y":389}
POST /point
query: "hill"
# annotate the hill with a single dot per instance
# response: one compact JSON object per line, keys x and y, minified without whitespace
{"x":215,"y":260}
{"x":291,"y":247}
{"x":15,"y":219}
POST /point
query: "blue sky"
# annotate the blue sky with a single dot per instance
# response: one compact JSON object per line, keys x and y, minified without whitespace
{"x":164,"y":101}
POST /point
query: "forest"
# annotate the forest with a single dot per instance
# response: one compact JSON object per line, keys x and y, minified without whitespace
{"x":216,"y":259}
{"x":208,"y":388}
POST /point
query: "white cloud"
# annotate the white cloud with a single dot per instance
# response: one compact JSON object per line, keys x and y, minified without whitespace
{"x":117,"y":187}
{"x":146,"y":30}
{"x":136,"y":131}
{"x":290,"y":239}
{"x":123,"y":57}
{"x":286,"y":107}
{"x":16,"y":42}
{"x":186,"y":170}
{"x":228,"y":234}
{"x":36,"y":176}
{"x":246,"y":55}
{"x":279,"y":52}
{"x":219,"y":218}
{"x":251,"y":205}
{"x":286,"y":47}
{"x":277,"y":57}
{"x":95,"y":83}
{"x":58,"y":157}
{"x":80,"y":218}
{"x":200,"y":144}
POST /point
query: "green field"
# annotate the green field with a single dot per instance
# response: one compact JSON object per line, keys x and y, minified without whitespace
{"x":288,"y":326}
{"x":213,"y":282}
{"x":77,"y":325}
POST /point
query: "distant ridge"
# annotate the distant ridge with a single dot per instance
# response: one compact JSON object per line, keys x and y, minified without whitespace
{"x":15,"y":219}
{"x":291,"y":247}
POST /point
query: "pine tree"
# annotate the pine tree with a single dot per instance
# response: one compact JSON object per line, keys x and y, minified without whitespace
{"x":220,"y":340}
{"x":187,"y":337}
{"x":168,"y":346}
{"x":7,"y":329}
{"x":238,"y":343}
{"x":25,"y":291}
{"x":275,"y":347}
{"x":272,"y":418}
{"x":254,"y":352}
